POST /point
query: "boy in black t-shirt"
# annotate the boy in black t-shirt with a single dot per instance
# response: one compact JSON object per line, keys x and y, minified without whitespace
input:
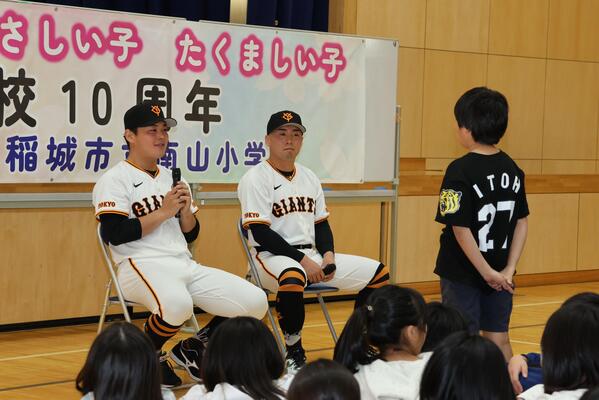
{"x":483,"y":205}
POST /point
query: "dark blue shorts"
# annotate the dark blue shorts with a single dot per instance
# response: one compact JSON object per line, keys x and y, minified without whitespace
{"x":484,"y":311}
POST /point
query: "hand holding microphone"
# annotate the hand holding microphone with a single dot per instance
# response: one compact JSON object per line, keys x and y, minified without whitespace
{"x":176,"y":180}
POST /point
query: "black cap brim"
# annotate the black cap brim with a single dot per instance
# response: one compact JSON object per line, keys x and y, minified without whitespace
{"x":170,"y":122}
{"x":300,"y":126}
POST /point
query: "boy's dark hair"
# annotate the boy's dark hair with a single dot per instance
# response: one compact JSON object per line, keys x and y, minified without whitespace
{"x":484,"y":112}
{"x":441,"y":321}
{"x":570,"y":347}
{"x":377,"y":325}
{"x":324,"y":380}
{"x":466,"y":366}
{"x":121,"y":364}
{"x":243,"y":352}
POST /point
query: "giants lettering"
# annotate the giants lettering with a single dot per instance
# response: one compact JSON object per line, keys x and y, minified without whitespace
{"x":293,"y":204}
{"x":146,"y":207}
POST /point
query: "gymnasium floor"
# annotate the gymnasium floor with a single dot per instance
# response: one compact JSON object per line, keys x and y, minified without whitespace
{"x":43,"y":363}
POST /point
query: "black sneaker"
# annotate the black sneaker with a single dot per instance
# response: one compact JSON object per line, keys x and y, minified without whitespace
{"x":169,"y":378}
{"x":188,"y":354}
{"x":295,"y":358}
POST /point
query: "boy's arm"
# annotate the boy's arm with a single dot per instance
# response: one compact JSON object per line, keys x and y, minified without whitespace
{"x":466,"y":241}
{"x":516,"y":248}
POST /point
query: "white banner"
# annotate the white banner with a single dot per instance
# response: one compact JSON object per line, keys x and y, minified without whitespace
{"x":67,"y":76}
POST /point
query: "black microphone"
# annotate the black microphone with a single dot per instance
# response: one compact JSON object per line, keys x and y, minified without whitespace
{"x":329,"y":269}
{"x":176,"y":179}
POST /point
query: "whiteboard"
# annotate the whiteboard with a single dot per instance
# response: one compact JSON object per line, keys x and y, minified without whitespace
{"x":381,"y":99}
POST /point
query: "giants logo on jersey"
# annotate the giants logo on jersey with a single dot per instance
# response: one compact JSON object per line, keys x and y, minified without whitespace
{"x":147,"y":206}
{"x":293,"y":204}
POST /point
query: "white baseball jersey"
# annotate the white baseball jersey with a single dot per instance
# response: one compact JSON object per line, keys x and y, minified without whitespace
{"x":290,"y":206}
{"x":128,"y":190}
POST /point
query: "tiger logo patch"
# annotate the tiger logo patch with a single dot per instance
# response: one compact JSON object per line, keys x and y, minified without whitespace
{"x":449,"y":201}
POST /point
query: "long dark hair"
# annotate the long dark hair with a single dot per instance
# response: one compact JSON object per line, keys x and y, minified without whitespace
{"x":570,"y":345}
{"x":324,"y":380}
{"x":121,"y":364}
{"x":377,"y":325}
{"x":466,"y":366}
{"x":441,"y":321}
{"x":243,"y":352}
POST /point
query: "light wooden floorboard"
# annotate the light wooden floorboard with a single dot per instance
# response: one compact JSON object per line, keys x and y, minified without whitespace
{"x":43,"y":363}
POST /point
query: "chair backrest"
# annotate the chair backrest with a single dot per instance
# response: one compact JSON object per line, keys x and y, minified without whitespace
{"x":110,"y":265}
{"x":243,"y":236}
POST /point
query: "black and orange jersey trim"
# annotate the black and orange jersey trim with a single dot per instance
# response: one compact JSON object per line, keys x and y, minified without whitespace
{"x":289,"y":178}
{"x":262,"y":222}
{"x":111,"y":212}
{"x":148,"y":286}
{"x":265,"y":269}
{"x":143,"y":170}
{"x":318,"y":221}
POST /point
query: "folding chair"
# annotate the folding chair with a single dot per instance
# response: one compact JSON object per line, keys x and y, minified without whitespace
{"x":316,"y":288}
{"x":118,"y":298}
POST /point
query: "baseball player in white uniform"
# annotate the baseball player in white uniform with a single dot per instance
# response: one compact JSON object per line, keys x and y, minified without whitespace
{"x":148,"y":220}
{"x":284,"y":210}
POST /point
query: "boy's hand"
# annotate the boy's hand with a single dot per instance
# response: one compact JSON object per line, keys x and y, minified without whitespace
{"x":498,"y":281}
{"x":515,"y":367}
{"x":509,"y":272}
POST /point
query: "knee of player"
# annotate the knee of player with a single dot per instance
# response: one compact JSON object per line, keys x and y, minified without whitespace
{"x":177,"y":309}
{"x":256,"y":304}
{"x":292,"y":280}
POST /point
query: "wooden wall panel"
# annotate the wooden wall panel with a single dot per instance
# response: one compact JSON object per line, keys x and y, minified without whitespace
{"x":342,"y":16}
{"x":522,"y":81}
{"x":552,"y":234}
{"x":218,"y":244}
{"x":52,"y":267}
{"x":458,"y":25}
{"x":409,"y":96}
{"x":530,"y":167}
{"x":403,"y":20}
{"x":519,"y":28}
{"x":573,"y":30}
{"x":571,"y":167}
{"x":418,"y":239}
{"x":447,"y":75}
{"x":571,"y":110}
{"x":588,"y":231}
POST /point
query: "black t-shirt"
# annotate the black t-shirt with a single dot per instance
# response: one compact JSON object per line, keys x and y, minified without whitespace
{"x":486,"y":194}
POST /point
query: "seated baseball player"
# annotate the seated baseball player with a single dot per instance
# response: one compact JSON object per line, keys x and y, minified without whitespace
{"x":148,"y":220}
{"x":283,"y":208}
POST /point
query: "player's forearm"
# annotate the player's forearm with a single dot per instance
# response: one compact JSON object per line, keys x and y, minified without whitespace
{"x":272,"y":242}
{"x":187,"y":222}
{"x":466,"y":241}
{"x":518,"y":242}
{"x":324,"y":238}
{"x":152,"y":221}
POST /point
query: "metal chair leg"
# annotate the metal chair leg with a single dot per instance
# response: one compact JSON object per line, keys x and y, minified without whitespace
{"x":104,"y":307}
{"x":325,"y":311}
{"x":275,"y":332}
